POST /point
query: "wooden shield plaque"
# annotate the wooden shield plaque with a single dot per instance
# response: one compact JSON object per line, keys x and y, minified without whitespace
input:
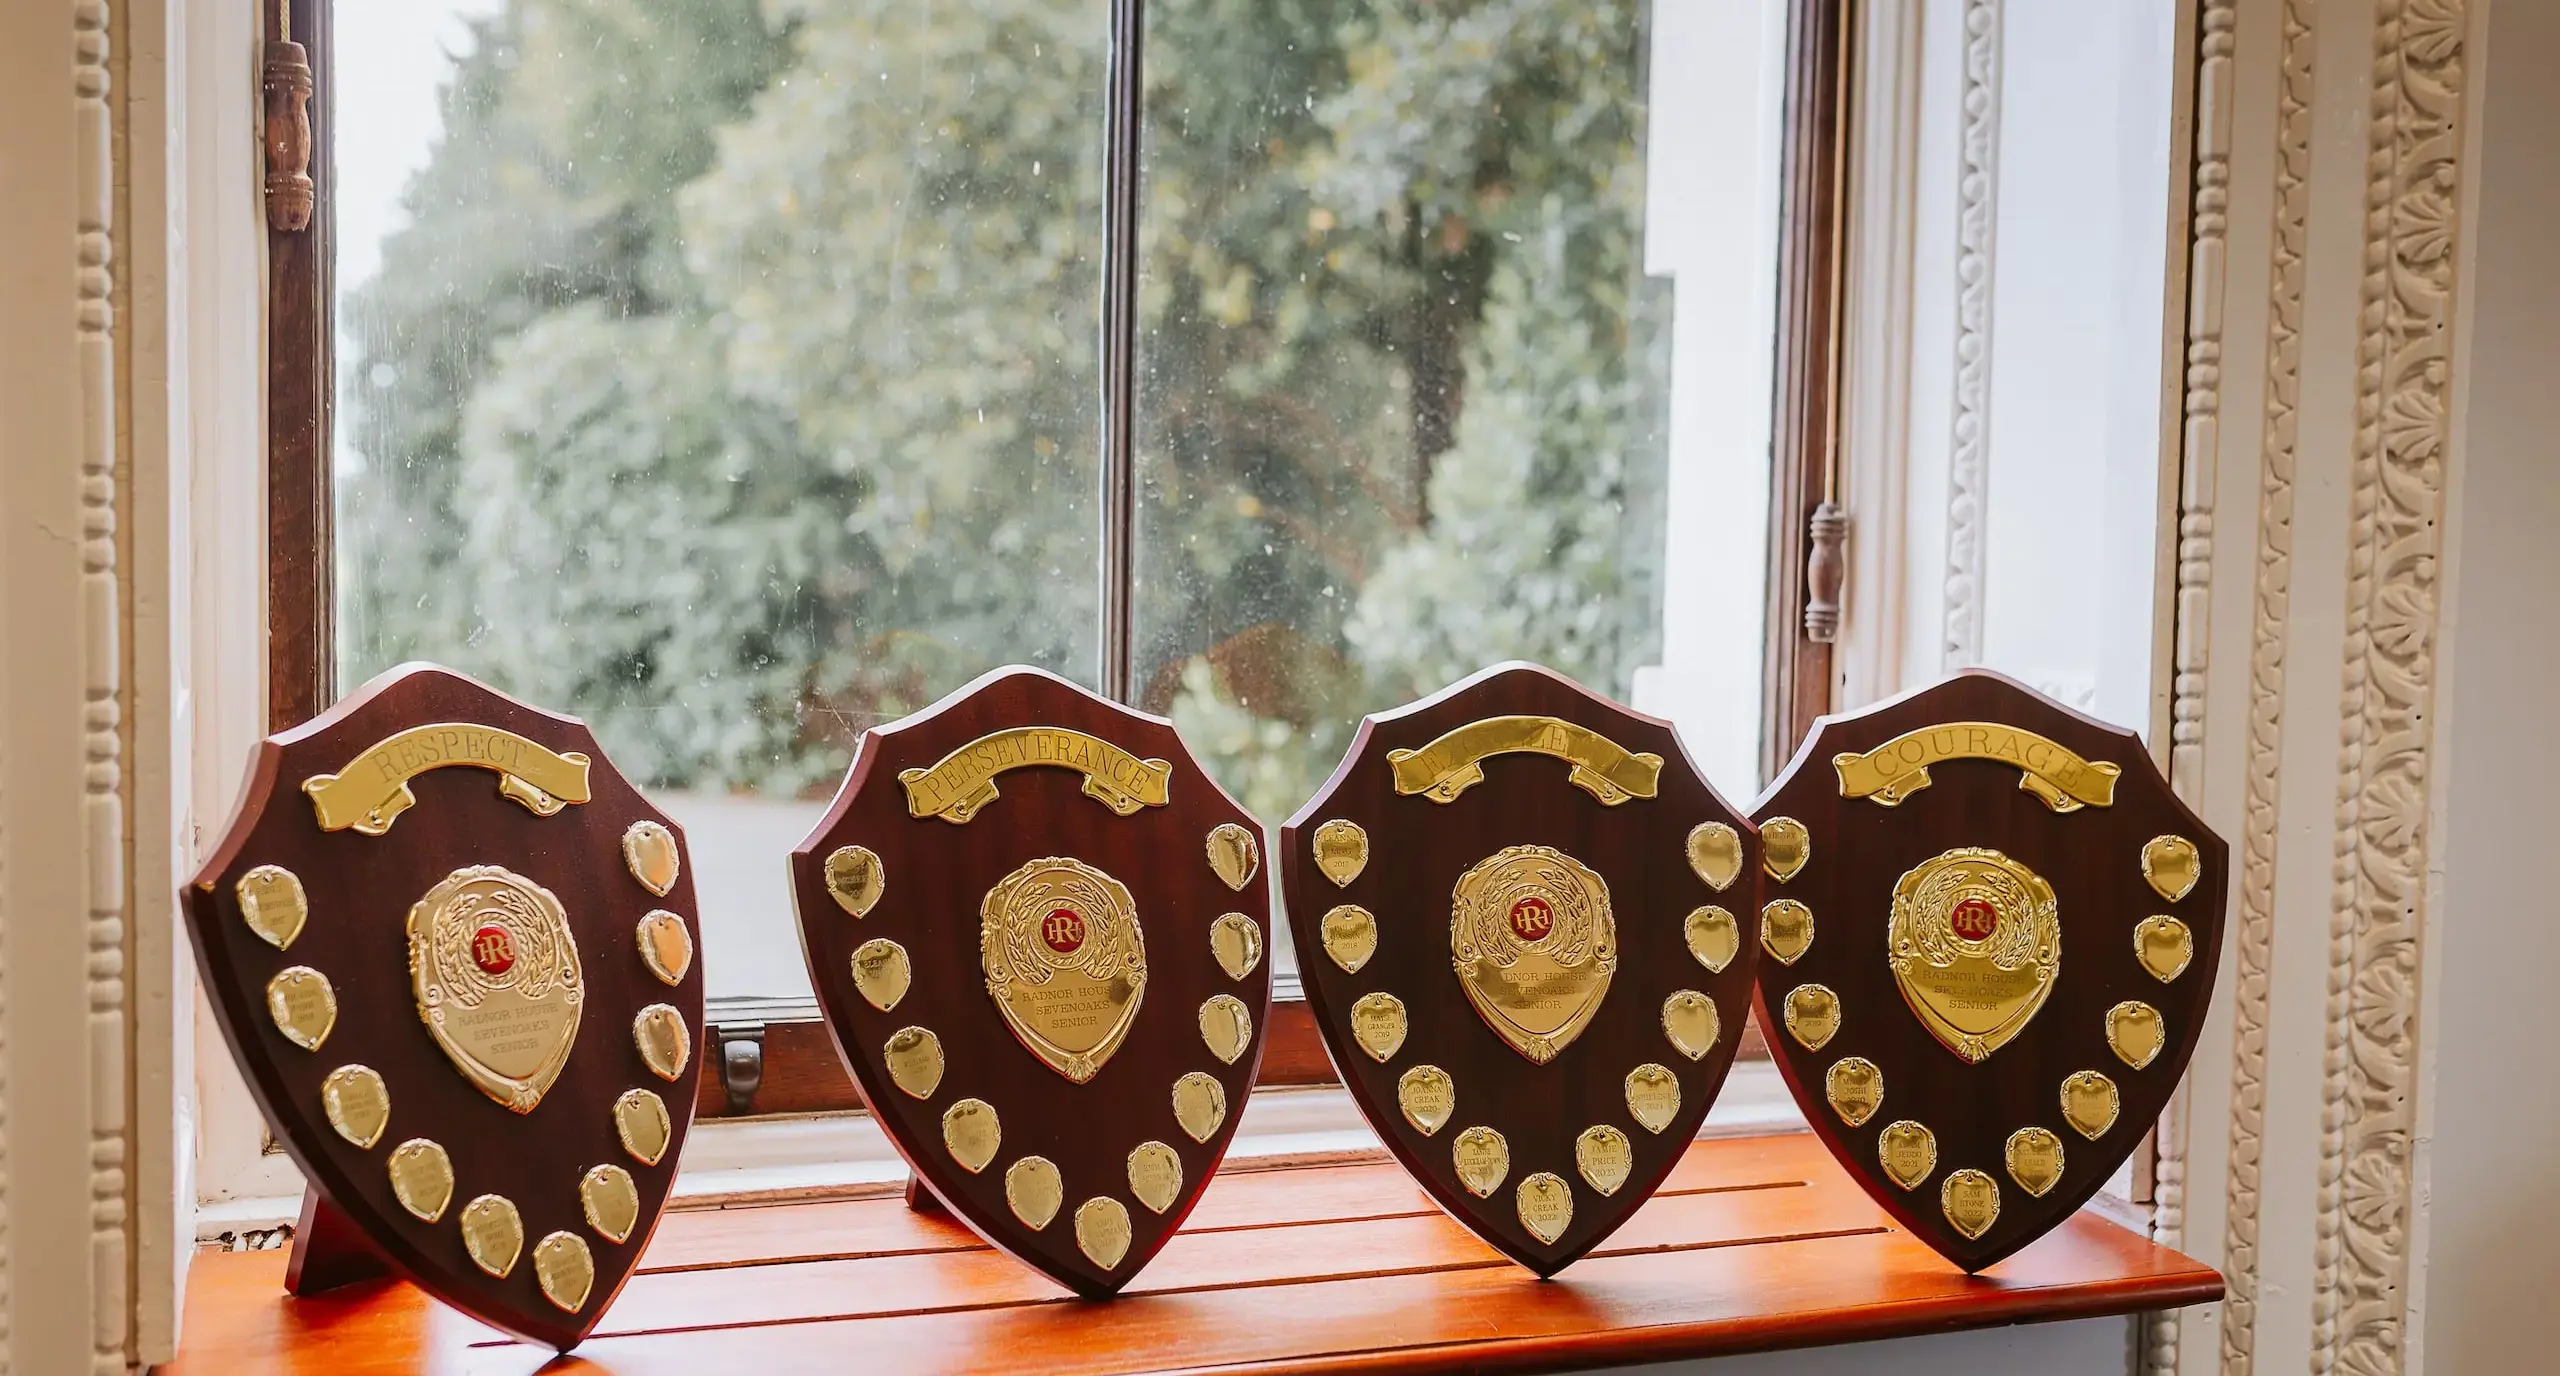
{"x":1991,"y":933}
{"x":1527,"y":928}
{"x":453,"y":952}
{"x":1037,"y":929}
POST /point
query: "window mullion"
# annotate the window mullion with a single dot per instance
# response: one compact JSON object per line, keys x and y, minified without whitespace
{"x":1125,"y":109}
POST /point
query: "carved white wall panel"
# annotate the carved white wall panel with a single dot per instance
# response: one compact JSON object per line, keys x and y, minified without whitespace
{"x":1977,"y":219}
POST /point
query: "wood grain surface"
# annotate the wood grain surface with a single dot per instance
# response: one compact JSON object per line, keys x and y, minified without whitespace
{"x":1750,"y":1245}
{"x":2092,"y":859}
{"x":360,"y":889}
{"x":1418,"y":849}
{"x":937,"y":874}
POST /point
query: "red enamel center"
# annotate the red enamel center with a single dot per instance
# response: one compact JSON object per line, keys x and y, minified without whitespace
{"x":1532,"y":919}
{"x":493,"y":950}
{"x":1974,"y":919}
{"x":1063,"y":930}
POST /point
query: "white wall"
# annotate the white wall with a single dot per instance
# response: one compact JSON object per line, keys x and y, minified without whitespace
{"x":2489,"y":1244}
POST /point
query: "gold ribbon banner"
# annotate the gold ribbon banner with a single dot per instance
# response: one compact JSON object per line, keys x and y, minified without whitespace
{"x":1454,"y":763}
{"x":373,"y":789}
{"x":1899,"y":768}
{"x":965,"y":780}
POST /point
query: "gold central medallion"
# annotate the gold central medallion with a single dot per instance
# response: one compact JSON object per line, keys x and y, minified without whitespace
{"x":1534,"y":946}
{"x":1976,"y":946}
{"x":1066,"y":962}
{"x":495,"y":970}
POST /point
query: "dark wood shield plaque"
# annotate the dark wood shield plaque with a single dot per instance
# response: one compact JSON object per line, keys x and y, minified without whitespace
{"x":1990,"y":937}
{"x":1038,"y":931}
{"x":1527,"y":929}
{"x":453,"y":952}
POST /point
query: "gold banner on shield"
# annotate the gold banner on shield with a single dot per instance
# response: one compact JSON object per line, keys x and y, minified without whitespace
{"x":1899,"y":768}
{"x":373,"y":789}
{"x":1454,"y":763}
{"x":964,"y":781}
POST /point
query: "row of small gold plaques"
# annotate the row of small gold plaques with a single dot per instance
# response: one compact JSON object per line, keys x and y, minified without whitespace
{"x":1785,"y":844}
{"x":649,"y":850}
{"x":1714,"y":937}
{"x":1786,"y":930}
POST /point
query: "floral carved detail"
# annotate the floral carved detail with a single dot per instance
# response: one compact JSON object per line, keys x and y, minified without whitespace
{"x":2396,"y":513}
{"x":1977,"y":211}
{"x":2254,"y":937}
{"x":2208,"y":227}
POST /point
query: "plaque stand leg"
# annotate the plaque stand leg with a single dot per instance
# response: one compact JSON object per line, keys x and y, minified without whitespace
{"x":328,"y":1249}
{"x":922,"y":1200}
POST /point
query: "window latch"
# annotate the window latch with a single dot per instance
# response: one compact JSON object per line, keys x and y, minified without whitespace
{"x":1826,"y":571}
{"x":741,"y":1062}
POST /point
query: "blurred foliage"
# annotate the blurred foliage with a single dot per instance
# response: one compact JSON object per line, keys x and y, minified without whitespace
{"x":736,"y":382}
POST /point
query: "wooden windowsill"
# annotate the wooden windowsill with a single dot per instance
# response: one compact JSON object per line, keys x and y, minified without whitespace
{"x":1752,"y":1244}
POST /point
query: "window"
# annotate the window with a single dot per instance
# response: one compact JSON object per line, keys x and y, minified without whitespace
{"x":737,"y":374}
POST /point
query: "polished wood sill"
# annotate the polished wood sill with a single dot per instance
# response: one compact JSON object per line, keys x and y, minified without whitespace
{"x":1753,"y":1244}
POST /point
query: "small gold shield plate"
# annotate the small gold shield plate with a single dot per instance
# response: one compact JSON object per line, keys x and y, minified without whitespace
{"x":303,"y":1005}
{"x":358,"y":1103}
{"x":1033,"y":1189}
{"x":1908,"y":1151}
{"x":1604,"y":1157}
{"x":2089,"y":1103}
{"x":649,"y":849}
{"x":2164,"y":946}
{"x":665,"y":946}
{"x":1715,"y":854}
{"x":1341,"y":851}
{"x":2035,"y":1159}
{"x":855,"y":879}
{"x":1350,"y":937}
{"x":1653,"y":1096}
{"x":1233,"y":855}
{"x":1534,"y":944}
{"x":1714,"y":937}
{"x":1971,"y":1201}
{"x":273,"y":904}
{"x":1102,"y":1230}
{"x":1786,"y":930}
{"x":1226,"y":1026}
{"x":1689,"y":1020}
{"x":1785,"y":845}
{"x":495,"y":970}
{"x":665,"y":1043}
{"x":421,"y":1178}
{"x":1378,"y":1024}
{"x":610,"y":1198}
{"x":1483,"y":1159}
{"x":2171,"y":865}
{"x":1975,"y":945}
{"x":1065,"y":960}
{"x":1199,"y":1104}
{"x":565,"y":1268}
{"x":1427,"y":1096}
{"x":1236,"y":944}
{"x":881,"y":973}
{"x":1546,"y":1206}
{"x":1155,"y":1175}
{"x":640,"y":1120}
{"x":2136,"y":1032}
{"x":1812,"y":1015}
{"x":1855,"y":1087}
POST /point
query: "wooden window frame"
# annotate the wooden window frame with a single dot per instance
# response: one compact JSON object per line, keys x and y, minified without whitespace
{"x":796,"y":1066}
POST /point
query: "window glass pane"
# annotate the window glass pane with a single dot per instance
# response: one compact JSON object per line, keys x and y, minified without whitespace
{"x":721,"y":371}
{"x":1408,"y":373}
